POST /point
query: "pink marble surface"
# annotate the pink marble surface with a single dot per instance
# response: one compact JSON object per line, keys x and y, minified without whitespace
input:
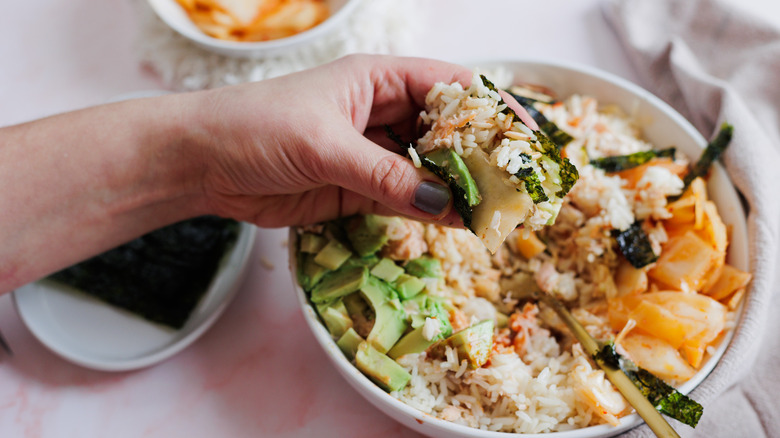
{"x":257,"y":371}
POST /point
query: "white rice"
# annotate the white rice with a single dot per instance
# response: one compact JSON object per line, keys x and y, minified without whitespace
{"x":545,"y":384}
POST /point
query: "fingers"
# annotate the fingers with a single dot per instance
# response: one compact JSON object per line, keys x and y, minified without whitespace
{"x":383,"y":177}
{"x":399,"y":85}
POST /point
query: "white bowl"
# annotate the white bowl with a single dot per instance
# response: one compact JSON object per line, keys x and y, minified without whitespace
{"x":176,"y":18}
{"x":663,"y":127}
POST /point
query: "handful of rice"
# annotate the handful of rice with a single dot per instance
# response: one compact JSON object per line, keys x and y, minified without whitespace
{"x":519,"y":175}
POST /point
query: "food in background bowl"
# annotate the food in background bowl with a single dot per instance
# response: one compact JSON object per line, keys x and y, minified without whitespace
{"x":471,"y":350}
{"x":255,"y":20}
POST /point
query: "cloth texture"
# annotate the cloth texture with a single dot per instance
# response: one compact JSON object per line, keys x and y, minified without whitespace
{"x":714,"y":63}
{"x":375,"y":26}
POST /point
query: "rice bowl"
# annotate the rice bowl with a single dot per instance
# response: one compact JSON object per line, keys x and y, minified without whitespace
{"x":661,"y":126}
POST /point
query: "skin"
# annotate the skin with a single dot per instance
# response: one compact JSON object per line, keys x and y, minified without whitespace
{"x":297,"y":149}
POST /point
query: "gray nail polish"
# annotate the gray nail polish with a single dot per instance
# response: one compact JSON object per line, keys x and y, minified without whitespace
{"x":431,"y":197}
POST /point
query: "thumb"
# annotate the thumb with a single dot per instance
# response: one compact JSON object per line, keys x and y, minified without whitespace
{"x":387,"y":182}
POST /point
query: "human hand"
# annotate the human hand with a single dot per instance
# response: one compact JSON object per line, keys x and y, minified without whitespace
{"x":311,"y":146}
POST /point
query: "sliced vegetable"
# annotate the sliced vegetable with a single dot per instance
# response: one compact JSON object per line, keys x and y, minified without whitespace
{"x":339,"y":283}
{"x":424,"y":267}
{"x":529,"y":244}
{"x":385,"y":372}
{"x":461,"y":201}
{"x":645,"y":402}
{"x":684,"y":262}
{"x":729,"y":281}
{"x":472,"y":344}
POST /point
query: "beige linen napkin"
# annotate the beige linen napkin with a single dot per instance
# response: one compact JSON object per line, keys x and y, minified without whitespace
{"x":714,"y":63}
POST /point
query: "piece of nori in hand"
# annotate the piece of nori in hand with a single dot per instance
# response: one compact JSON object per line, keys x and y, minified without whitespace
{"x":161,"y":275}
{"x":664,"y":397}
{"x":623,"y":162}
{"x":635,"y":246}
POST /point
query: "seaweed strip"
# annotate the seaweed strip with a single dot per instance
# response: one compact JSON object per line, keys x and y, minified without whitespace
{"x":532,"y":184}
{"x":159,"y":276}
{"x":635,"y":245}
{"x":567,"y":171}
{"x":625,"y":162}
{"x":664,"y":397}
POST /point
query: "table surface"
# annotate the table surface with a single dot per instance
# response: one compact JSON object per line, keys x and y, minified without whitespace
{"x":258,"y":370}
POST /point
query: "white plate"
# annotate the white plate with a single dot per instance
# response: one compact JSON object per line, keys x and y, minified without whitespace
{"x":93,"y":334}
{"x":662,"y":126}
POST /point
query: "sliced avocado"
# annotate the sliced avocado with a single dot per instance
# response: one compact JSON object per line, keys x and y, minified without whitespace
{"x":349,"y":342}
{"x":472,"y":344}
{"x":425,"y":266}
{"x":408,"y":286}
{"x":413,"y":342}
{"x":338,"y":283}
{"x":385,"y":372}
{"x":333,"y":255}
{"x":389,"y":316}
{"x":387,"y":270}
{"x":312,"y":272}
{"x":426,"y":306}
{"x":502,"y":320}
{"x":368,"y":234}
{"x":360,"y":312}
{"x":312,"y":243}
{"x":335,"y":317}
{"x":368,"y":261}
{"x":451,"y":161}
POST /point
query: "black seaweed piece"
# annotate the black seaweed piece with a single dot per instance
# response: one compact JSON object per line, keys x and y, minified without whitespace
{"x":508,"y":111}
{"x":664,"y":397}
{"x":532,"y":184}
{"x":567,"y":171}
{"x":635,"y":246}
{"x":159,"y":276}
{"x":624,"y":162}
{"x":711,"y":153}
{"x":556,"y":134}
{"x":460,"y":201}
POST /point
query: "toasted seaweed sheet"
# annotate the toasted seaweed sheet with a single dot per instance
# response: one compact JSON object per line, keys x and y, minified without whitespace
{"x":635,"y":246}
{"x":159,"y":276}
{"x":625,"y":162}
{"x":665,"y":398}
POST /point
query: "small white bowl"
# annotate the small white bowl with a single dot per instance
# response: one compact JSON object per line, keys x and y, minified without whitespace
{"x":91,"y":333}
{"x":176,"y":18}
{"x":663,"y":127}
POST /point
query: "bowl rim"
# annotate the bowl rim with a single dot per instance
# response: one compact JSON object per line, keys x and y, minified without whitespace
{"x":425,"y":423}
{"x":252,"y":46}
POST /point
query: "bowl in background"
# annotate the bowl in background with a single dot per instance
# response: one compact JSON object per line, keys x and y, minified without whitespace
{"x":173,"y":15}
{"x":662,"y":126}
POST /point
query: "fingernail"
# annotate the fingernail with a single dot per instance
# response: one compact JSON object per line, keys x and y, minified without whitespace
{"x":431,"y":197}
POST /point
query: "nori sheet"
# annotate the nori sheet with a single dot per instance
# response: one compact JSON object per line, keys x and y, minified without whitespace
{"x":160,"y":276}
